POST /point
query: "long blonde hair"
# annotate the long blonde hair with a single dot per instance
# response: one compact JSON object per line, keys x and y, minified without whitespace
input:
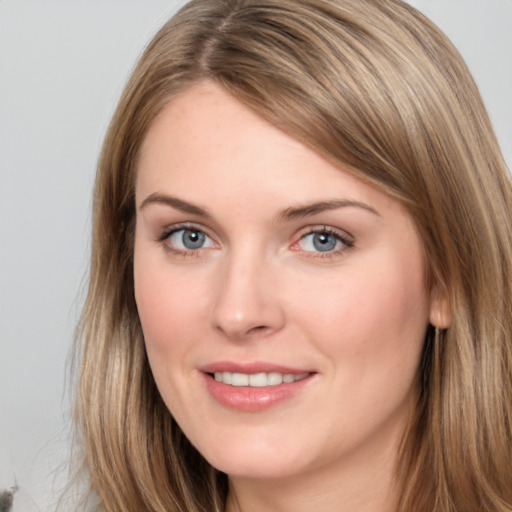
{"x":372,"y":85}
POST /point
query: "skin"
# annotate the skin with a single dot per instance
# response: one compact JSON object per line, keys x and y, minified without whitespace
{"x":260,"y":290}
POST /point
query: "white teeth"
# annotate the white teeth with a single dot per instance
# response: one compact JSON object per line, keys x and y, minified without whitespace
{"x":274,"y":379}
{"x":238,"y":379}
{"x":257,"y":380}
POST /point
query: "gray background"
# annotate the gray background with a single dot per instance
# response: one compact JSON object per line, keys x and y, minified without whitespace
{"x":62,"y":68}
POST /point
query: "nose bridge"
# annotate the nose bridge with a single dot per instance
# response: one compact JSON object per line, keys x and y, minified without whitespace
{"x":246,"y":304}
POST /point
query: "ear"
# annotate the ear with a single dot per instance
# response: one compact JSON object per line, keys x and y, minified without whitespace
{"x":441,"y":315}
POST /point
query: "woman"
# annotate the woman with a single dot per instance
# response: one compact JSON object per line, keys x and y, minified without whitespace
{"x":300,"y":293}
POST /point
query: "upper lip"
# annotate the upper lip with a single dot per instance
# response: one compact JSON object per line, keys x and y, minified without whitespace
{"x":251,"y":368}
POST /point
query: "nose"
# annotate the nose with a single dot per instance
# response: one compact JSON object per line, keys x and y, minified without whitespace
{"x":246,"y":304}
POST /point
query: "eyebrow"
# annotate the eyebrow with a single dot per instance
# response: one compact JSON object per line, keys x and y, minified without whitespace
{"x":322,"y":206}
{"x":292,"y":213}
{"x":174,"y":202}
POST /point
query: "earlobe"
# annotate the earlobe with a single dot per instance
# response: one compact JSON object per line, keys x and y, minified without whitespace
{"x":441,"y":314}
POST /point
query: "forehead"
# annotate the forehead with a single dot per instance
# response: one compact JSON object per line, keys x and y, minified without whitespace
{"x":206,"y":146}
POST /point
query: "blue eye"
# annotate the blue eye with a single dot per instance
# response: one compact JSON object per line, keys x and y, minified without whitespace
{"x":189,"y":240}
{"x":323,"y":241}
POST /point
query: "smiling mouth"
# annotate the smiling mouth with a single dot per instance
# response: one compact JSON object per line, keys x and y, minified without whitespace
{"x":257,"y":380}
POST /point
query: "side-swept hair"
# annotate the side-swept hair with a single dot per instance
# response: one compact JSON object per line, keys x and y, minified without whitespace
{"x":373,"y":86}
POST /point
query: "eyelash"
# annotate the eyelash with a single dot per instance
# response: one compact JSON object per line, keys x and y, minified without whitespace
{"x":344,"y":238}
{"x":167,"y":233}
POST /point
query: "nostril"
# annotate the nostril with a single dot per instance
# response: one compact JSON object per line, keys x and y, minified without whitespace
{"x":258,"y":329}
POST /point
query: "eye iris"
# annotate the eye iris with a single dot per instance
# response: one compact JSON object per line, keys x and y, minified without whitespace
{"x":193,"y":239}
{"x":324,"y":242}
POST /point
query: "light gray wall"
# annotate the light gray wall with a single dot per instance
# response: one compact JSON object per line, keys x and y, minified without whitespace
{"x":62,"y":67}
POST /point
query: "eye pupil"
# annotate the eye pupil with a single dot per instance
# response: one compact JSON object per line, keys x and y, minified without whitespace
{"x":324,"y":242}
{"x":193,"y":239}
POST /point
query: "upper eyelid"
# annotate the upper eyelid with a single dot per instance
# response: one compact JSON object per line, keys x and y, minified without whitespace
{"x":173,"y":228}
{"x":321,"y":228}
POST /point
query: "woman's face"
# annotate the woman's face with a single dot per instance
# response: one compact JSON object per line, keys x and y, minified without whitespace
{"x":283,"y":301}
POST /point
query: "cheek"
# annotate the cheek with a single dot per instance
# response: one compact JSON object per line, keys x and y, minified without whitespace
{"x":155,"y":306}
{"x":168,"y":304}
{"x":373,"y":319}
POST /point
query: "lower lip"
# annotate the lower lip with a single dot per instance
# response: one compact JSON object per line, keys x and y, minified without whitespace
{"x":253,"y":399}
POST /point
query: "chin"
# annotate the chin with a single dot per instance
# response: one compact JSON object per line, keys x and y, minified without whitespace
{"x":259,"y":468}
{"x":255,"y":459}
